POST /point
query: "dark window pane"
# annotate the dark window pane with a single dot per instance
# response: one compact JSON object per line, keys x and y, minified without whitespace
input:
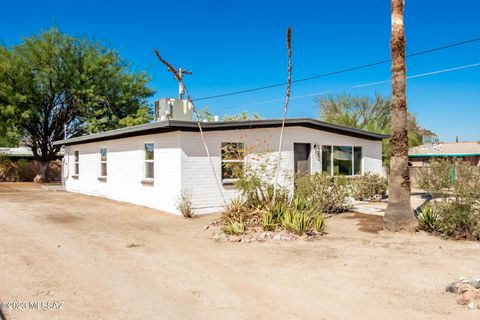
{"x":326,"y":159}
{"x":231,"y":170}
{"x":103,"y":154}
{"x":76,"y":156}
{"x":342,"y":160}
{"x":103,"y":169}
{"x":149,"y":170}
{"x":77,"y":168}
{"x":357,"y":159}
{"x":232,"y":151}
{"x":149,"y":151}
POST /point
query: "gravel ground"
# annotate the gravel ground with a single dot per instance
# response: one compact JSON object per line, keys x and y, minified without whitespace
{"x":99,"y":259}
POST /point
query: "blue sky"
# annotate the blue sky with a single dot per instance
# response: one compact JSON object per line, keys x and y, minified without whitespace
{"x":235,"y":45}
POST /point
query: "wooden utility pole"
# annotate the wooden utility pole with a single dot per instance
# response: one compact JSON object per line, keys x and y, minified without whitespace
{"x":399,"y":213}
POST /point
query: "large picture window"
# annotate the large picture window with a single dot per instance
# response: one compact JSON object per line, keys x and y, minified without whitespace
{"x":149,"y":160}
{"x":233,"y":155}
{"x":342,"y":160}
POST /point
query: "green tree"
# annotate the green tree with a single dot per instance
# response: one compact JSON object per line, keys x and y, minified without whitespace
{"x":242,"y":116}
{"x":367,"y":113}
{"x":205,"y":114}
{"x":54,"y":84}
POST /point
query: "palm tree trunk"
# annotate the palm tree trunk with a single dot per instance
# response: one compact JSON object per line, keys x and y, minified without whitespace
{"x":399,"y":214}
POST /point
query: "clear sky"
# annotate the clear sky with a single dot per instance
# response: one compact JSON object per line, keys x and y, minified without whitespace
{"x":236,"y":45}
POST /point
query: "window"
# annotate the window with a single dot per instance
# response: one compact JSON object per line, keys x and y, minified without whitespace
{"x":342,"y":160}
{"x":103,"y":162}
{"x":233,"y":155}
{"x":357,"y":160}
{"x":76,"y":162}
{"x":149,"y":160}
{"x":327,"y":159}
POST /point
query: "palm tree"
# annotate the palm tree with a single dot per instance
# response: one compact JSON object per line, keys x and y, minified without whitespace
{"x":399,"y":214}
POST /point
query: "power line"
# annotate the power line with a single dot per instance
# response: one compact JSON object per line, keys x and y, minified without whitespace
{"x":340,"y":71}
{"x":368,"y":84}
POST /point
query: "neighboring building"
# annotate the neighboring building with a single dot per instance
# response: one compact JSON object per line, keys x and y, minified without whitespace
{"x":152,"y":164}
{"x":22,"y":166}
{"x":467,"y":151}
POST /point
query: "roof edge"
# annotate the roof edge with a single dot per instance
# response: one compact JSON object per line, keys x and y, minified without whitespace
{"x":177,"y":125}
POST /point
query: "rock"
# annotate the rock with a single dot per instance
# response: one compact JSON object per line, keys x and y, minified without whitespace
{"x":234,"y":238}
{"x":277,"y":237}
{"x":475,"y":283}
{"x":470,"y":294}
{"x":452,"y":288}
{"x":472,"y":306}
{"x":465,"y":287}
{"x":38,"y":179}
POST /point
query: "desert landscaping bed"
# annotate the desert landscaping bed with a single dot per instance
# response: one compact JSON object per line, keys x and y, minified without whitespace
{"x":111,"y":260}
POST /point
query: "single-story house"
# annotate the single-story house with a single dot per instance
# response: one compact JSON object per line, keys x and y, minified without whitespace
{"x":422,"y":155}
{"x":152,"y":164}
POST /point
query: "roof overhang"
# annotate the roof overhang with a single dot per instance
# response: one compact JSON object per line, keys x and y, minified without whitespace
{"x":443,"y":155}
{"x":175,"y":125}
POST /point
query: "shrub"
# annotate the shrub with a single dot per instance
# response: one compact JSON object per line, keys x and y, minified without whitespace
{"x":234,"y":227}
{"x":455,"y":209}
{"x":184,"y":204}
{"x":369,"y":187}
{"x":235,"y":210}
{"x":459,"y":221}
{"x":319,"y":223}
{"x":268,"y":222}
{"x":329,"y":194}
{"x":428,"y":219}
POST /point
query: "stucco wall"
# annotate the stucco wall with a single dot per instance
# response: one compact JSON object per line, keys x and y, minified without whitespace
{"x":181,"y":164}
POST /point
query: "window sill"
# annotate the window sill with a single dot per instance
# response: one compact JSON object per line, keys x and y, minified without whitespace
{"x":75,"y":176}
{"x":229,"y":182}
{"x":102,"y":178}
{"x":147,"y":181}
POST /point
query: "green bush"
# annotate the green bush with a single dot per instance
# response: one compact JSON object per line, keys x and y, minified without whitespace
{"x":459,"y":221}
{"x":455,"y":208}
{"x":329,"y":194}
{"x":369,"y":187}
{"x":319,"y":223}
{"x":234,"y":227}
{"x":428,"y":219}
{"x":268,"y":222}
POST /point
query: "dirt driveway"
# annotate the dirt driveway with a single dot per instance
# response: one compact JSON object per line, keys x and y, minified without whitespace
{"x":101,"y":259}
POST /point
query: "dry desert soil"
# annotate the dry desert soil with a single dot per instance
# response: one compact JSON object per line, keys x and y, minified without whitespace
{"x":102,"y":259}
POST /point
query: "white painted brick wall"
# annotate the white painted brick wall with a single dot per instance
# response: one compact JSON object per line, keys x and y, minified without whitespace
{"x":181,"y":163}
{"x":197,"y":176}
{"x":125,"y":167}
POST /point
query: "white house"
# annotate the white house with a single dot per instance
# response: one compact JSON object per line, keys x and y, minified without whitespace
{"x":151,"y":164}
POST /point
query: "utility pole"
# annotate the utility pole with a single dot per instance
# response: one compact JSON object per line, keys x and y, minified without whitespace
{"x":181,"y":72}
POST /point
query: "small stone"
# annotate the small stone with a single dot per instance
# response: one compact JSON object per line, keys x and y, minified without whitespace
{"x":470,"y":295}
{"x":464,"y":287}
{"x":451,"y":288}
{"x":277,"y":237}
{"x":472,"y":306}
{"x":475,"y":283}
{"x":234,"y":238}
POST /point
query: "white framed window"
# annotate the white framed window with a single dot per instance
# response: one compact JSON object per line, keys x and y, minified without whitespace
{"x":149,"y":161}
{"x":233,"y":158}
{"x":342,"y":160}
{"x":103,"y":162}
{"x":76,"y":163}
